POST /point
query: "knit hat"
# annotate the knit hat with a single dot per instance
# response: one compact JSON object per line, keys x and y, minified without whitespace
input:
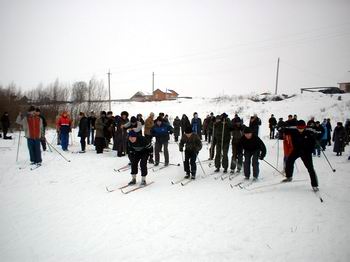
{"x":132,"y":133}
{"x":188,"y":130}
{"x":247,"y":130}
{"x":159,"y":118}
{"x":133,"y":119}
{"x":301,"y":124}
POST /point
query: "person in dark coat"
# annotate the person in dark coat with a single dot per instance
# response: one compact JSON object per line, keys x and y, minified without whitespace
{"x":272,"y":126}
{"x":138,"y":149}
{"x":303,"y":141}
{"x":211,"y":122}
{"x":5,"y":123}
{"x":254,"y":149}
{"x":109,"y":129}
{"x":339,"y":136}
{"x":254,"y":124}
{"x":237,"y":151}
{"x":177,"y":127}
{"x":185,"y":122}
{"x":161,"y":131}
{"x":83,"y":132}
{"x":318,"y":136}
{"x":196,"y":124}
{"x":100,"y":141}
{"x":279,"y":128}
{"x":347,"y":130}
{"x":121,"y":136}
{"x":193,"y":146}
{"x":222,"y":137}
{"x":329,"y":131}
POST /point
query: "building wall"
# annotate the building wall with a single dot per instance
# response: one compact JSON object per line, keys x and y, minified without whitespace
{"x":345,"y":87}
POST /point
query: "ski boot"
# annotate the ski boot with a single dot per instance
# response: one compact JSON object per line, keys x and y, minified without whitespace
{"x":143,"y":181}
{"x":133,"y":180}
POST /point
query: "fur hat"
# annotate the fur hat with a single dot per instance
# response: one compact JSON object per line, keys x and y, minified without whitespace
{"x":188,"y":130}
{"x":247,"y":130}
{"x":132,"y":133}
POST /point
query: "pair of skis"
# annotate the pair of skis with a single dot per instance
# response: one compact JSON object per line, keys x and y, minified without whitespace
{"x":182,"y":181}
{"x":129,"y":188}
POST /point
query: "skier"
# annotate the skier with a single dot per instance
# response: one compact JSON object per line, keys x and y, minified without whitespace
{"x":196,"y":124}
{"x":303,"y":141}
{"x":237,"y":152}
{"x":138,"y":150}
{"x":100,"y":141}
{"x":193,"y":146}
{"x":339,"y":136}
{"x":329,"y":131}
{"x":83,"y":132}
{"x":272,"y":126}
{"x":64,"y":125}
{"x":33,"y":128}
{"x":184,"y":123}
{"x":121,"y":134}
{"x":320,"y":131}
{"x":149,"y":123}
{"x":222,"y":138}
{"x":254,"y":149}
{"x":161,"y":131}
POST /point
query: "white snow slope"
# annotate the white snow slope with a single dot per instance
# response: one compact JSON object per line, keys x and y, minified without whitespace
{"x":62,"y":211}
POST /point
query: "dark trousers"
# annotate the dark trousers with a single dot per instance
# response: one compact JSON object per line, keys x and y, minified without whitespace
{"x":43,"y":143}
{"x":135,"y":159}
{"x":237,"y":158}
{"x":158,"y":147}
{"x":307,"y":160}
{"x":34,"y":150}
{"x":91,"y":136}
{"x":149,"y":140}
{"x":83,"y":143}
{"x":99,"y":144}
{"x":272,"y":133}
{"x":222,"y":152}
{"x":251,"y":157}
{"x":190,"y":162}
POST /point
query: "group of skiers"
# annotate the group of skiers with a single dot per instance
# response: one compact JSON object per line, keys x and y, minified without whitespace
{"x":133,"y":137}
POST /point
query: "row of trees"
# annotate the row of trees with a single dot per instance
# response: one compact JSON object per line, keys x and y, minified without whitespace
{"x":54,"y":98}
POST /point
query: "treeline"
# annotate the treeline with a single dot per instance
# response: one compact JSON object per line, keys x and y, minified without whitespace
{"x":54,"y":98}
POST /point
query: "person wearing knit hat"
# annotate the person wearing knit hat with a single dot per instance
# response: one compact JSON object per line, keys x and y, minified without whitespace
{"x":138,"y":150}
{"x":303,"y":141}
{"x":161,"y":131}
{"x":193,"y":146}
{"x":254,"y":149}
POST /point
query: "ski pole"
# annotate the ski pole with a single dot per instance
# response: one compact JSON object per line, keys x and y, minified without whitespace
{"x":57,"y":151}
{"x":200,"y":164}
{"x":19,"y":141}
{"x":273,"y":167}
{"x":328,"y":161}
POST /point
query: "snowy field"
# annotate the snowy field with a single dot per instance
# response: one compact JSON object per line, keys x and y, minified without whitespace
{"x":62,"y":211}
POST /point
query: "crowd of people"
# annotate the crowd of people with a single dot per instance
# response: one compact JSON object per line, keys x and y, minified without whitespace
{"x":133,"y":137}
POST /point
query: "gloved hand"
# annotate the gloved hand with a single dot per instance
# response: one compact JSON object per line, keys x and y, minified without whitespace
{"x":181,"y":149}
{"x":261,"y":157}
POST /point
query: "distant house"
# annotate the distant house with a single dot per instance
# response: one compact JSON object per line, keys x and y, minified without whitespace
{"x":345,"y":87}
{"x":141,"y":97}
{"x":158,"y":95}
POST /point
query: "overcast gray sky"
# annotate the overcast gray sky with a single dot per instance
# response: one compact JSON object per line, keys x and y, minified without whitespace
{"x":196,"y":47}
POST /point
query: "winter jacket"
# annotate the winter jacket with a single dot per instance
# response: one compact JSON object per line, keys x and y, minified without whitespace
{"x":5,"y":122}
{"x":254,"y":124}
{"x":141,"y":146}
{"x":196,"y":124}
{"x":161,"y":133}
{"x":99,"y":126}
{"x":253,"y":144}
{"x":32,"y":125}
{"x":64,"y":124}
{"x":237,"y":133}
{"x":83,"y":127}
{"x":149,"y":123}
{"x":177,"y":126}
{"x":272,"y":122}
{"x":193,"y":143}
{"x":185,"y":123}
{"x":222,"y":131}
{"x":304,"y":142}
{"x":339,"y":136}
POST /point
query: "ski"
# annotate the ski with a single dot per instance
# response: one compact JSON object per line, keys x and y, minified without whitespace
{"x":171,"y":164}
{"x":159,"y":168}
{"x":225,"y":176}
{"x":178,"y":181}
{"x":234,"y":175}
{"x":35,"y":167}
{"x":186,"y":182}
{"x":318,"y":195}
{"x":118,"y":188}
{"x":274,"y":184}
{"x":239,"y":184}
{"x":123,"y":168}
{"x":136,"y":188}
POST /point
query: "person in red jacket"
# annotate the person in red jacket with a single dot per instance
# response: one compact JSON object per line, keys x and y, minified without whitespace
{"x":33,"y":131}
{"x":64,"y":125}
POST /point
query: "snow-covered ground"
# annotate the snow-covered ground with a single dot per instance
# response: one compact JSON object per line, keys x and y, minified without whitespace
{"x":62,"y":211}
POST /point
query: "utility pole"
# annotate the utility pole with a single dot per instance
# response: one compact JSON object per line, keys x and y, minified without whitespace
{"x":152,"y":83}
{"x":109,"y":89}
{"x":278,"y":68}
